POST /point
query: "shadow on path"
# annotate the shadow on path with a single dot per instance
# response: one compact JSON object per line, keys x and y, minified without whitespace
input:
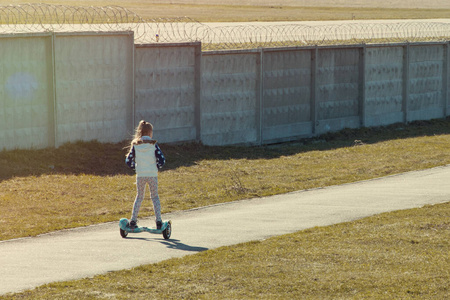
{"x":176,"y":244}
{"x":171,"y":244}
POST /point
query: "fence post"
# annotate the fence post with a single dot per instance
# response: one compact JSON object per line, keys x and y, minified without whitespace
{"x":197,"y":90}
{"x":405,"y":96}
{"x":362,"y":86}
{"x":259,"y":96}
{"x":52,"y":112}
{"x":313,"y":103}
{"x":133,"y":91}
{"x":445,"y":78}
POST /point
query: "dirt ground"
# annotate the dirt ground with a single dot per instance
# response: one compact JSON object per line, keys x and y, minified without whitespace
{"x":433,"y":4}
{"x":317,"y":3}
{"x":264,"y":10}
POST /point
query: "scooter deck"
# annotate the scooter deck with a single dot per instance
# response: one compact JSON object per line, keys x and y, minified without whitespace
{"x":124,"y":225}
{"x":146,"y":229}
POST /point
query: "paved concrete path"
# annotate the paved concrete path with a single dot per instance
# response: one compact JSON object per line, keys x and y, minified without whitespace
{"x":71,"y":254}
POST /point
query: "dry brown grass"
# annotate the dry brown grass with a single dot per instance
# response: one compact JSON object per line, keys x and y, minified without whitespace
{"x":87,"y":183}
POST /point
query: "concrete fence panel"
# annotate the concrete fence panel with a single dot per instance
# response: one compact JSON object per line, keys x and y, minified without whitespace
{"x":286,"y":95}
{"x":337,"y":91}
{"x":447,"y":79}
{"x":94,"y":86}
{"x":230,"y":97}
{"x":26,"y":92}
{"x":64,"y":87}
{"x":166,"y":90}
{"x":383,"y":85}
{"x":426,"y":82}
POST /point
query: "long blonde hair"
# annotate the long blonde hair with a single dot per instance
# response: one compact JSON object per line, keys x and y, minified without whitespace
{"x":143,"y":129}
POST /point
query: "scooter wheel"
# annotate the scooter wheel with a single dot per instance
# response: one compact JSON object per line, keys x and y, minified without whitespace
{"x":168,"y":231}
{"x":123,"y":233}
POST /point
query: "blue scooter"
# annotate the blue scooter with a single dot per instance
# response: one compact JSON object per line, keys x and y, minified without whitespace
{"x":166,"y":229}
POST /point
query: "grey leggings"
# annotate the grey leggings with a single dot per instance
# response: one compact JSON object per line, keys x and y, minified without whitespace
{"x":152,"y":182}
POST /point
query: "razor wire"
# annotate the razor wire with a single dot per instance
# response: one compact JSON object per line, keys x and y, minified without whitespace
{"x":31,"y":18}
{"x":253,"y":36}
{"x":27,"y":18}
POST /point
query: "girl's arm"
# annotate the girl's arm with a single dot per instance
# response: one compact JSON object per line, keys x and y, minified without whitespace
{"x":160,"y":159}
{"x":130,"y":159}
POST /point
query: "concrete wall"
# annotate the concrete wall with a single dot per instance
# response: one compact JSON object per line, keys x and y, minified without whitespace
{"x":274,"y":95}
{"x":26,"y":92}
{"x":94,"y":87}
{"x":383,"y":103}
{"x":337,"y":89}
{"x":57,"y":88}
{"x":425,"y":82}
{"x":286,"y":98}
{"x":229,"y":98}
{"x":167,"y":90}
